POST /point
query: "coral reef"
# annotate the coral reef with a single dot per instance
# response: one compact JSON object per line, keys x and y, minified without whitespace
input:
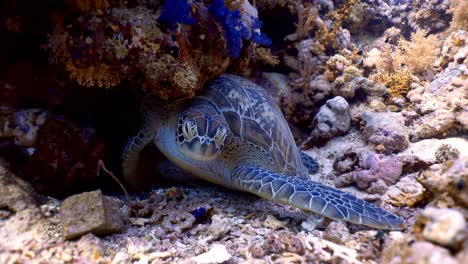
{"x":432,"y":16}
{"x":104,"y":48}
{"x":441,"y":107}
{"x":446,"y":182}
{"x":446,"y":227}
{"x":379,"y":86}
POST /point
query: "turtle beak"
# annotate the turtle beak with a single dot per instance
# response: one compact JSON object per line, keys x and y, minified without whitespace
{"x":201,"y":148}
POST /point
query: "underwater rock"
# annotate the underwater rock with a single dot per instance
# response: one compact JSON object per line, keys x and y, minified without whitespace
{"x":279,"y":242}
{"x":15,"y":194}
{"x":220,"y":225}
{"x":343,"y":85}
{"x":447,"y":181}
{"x":312,"y":222}
{"x":426,"y":152}
{"x":441,"y":107}
{"x":65,"y":157}
{"x":432,"y":16}
{"x":444,"y":226}
{"x":178,"y":222}
{"x":90,"y":212}
{"x":22,"y":125}
{"x":373,"y":169}
{"x":372,"y":89}
{"x":406,"y":192}
{"x":417,"y":252}
{"x":333,"y":119}
{"x":385,"y":132}
{"x":273,"y":223}
{"x":454,"y":50}
{"x":217,"y":254}
{"x":21,"y":220}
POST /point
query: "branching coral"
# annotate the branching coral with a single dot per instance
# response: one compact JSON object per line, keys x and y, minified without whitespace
{"x":307,"y":19}
{"x":398,"y":82}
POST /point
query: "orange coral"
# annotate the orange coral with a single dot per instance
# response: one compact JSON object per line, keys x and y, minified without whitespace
{"x":419,"y":54}
{"x":460,"y":14}
{"x":104,"y":48}
{"x":93,"y":75}
{"x":416,"y":56}
{"x":397,"y":82}
{"x":307,"y":19}
{"x":264,"y":54}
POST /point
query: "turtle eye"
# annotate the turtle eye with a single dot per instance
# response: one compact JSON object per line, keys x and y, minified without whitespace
{"x":189,"y":129}
{"x":220,"y":136}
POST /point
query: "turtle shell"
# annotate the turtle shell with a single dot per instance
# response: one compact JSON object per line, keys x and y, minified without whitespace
{"x":254,"y":116}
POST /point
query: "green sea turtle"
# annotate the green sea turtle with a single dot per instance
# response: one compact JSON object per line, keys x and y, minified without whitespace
{"x":234,"y":135}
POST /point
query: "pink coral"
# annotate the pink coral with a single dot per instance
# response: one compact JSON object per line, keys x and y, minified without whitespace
{"x":374,"y":167}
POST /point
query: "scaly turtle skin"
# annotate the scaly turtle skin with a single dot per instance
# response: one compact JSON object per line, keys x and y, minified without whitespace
{"x":234,"y":135}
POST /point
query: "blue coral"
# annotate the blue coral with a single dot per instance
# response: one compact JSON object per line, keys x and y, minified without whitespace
{"x":176,"y":11}
{"x":234,"y":29}
{"x":257,"y":36}
{"x":231,"y":21}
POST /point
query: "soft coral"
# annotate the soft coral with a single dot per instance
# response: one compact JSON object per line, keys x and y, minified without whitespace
{"x":176,"y":11}
{"x":231,"y":22}
{"x":235,"y":30}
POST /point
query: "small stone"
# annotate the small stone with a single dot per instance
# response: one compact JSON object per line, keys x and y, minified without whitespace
{"x":217,"y":254}
{"x":90,"y":246}
{"x":90,"y":212}
{"x":312,"y":222}
{"x":336,"y":232}
{"x":415,"y":98}
{"x":456,"y":81}
{"x":273,"y":223}
{"x":219,"y":226}
{"x":257,"y":251}
{"x":279,"y":242}
{"x":121,"y":258}
{"x":178,"y":222}
{"x":446,"y":227}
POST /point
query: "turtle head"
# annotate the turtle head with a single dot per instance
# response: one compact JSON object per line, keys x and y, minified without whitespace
{"x":201,"y":132}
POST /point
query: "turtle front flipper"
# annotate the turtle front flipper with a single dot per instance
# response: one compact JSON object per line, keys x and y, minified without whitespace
{"x":131,"y":155}
{"x":312,"y":196}
{"x":310,"y":163}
